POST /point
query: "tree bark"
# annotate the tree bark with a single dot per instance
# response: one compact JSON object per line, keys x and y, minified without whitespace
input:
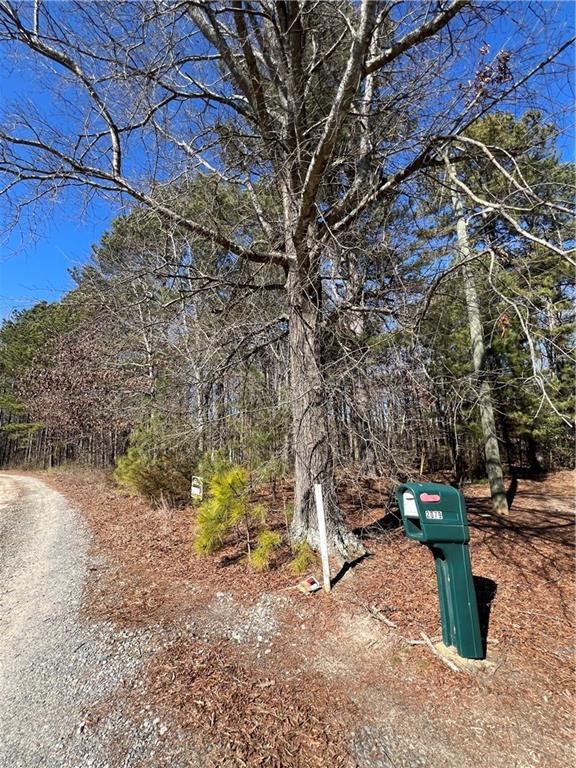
{"x":485,"y":404}
{"x":313,"y":458}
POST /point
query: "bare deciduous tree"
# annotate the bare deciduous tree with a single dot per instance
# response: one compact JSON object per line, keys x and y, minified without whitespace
{"x":320,"y":113}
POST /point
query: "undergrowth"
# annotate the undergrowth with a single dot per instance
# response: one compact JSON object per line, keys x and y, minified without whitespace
{"x":151,"y":471}
{"x":223,"y":510}
{"x":227,"y":510}
{"x":304,"y":558}
{"x":268,"y":541}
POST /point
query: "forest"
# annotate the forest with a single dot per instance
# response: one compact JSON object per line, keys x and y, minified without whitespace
{"x":345,"y":247}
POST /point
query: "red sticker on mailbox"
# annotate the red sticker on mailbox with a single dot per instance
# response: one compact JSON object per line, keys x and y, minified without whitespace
{"x":429,"y":497}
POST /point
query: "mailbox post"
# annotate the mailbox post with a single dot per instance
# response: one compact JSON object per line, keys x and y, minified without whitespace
{"x":435,"y":515}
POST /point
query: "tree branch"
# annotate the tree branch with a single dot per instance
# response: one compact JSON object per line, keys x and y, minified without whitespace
{"x":344,"y":95}
{"x":415,"y":37}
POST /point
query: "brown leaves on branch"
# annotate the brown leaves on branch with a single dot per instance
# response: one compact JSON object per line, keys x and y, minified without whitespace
{"x":497,"y":72}
{"x":83,"y":388}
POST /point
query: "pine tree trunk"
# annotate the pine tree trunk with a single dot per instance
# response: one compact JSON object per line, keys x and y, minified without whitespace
{"x":362,"y":431}
{"x":313,"y":458}
{"x":360,"y":407}
{"x":485,"y":404}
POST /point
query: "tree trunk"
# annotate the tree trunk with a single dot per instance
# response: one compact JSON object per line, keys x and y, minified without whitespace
{"x":361,"y":406}
{"x":362,"y":429}
{"x":313,"y":459}
{"x":535,"y":456}
{"x":485,"y":405}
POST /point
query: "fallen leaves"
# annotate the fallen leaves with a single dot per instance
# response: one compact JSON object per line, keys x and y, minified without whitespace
{"x":247,"y":719}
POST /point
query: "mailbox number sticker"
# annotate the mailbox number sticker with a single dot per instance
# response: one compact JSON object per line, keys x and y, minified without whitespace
{"x":434,"y":514}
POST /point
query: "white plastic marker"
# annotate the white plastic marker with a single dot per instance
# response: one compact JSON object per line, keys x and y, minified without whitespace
{"x":197,"y":487}
{"x":322,"y":536}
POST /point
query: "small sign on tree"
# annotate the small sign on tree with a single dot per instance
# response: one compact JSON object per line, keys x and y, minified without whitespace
{"x":197,"y":488}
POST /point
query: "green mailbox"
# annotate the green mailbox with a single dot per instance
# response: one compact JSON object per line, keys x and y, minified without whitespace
{"x":435,"y":515}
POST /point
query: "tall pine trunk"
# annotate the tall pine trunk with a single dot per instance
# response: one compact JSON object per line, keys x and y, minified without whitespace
{"x":362,"y":430}
{"x":360,"y":409}
{"x":313,"y":457}
{"x":485,"y":402}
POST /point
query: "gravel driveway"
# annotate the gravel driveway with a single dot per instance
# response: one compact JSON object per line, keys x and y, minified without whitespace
{"x":56,"y":668}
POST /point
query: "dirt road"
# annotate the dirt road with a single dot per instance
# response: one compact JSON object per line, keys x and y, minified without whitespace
{"x":55,"y":668}
{"x":42,"y":560}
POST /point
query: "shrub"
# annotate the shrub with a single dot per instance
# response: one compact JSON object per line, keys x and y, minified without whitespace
{"x":259,"y":513}
{"x":304,"y":560}
{"x":159,"y":475}
{"x":212,"y":463}
{"x":226,"y":506}
{"x":267,"y":542}
{"x":130,"y":469}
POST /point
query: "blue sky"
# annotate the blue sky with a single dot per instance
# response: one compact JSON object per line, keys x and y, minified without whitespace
{"x":34,"y":265}
{"x":33,"y":269}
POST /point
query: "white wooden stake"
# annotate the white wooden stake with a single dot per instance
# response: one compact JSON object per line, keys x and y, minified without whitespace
{"x":322,"y":536}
